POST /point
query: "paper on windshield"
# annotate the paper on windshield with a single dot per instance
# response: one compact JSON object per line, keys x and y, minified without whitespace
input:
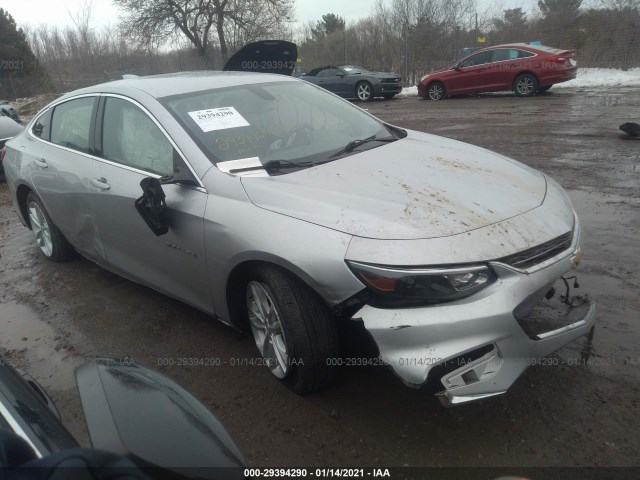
{"x":218,"y":119}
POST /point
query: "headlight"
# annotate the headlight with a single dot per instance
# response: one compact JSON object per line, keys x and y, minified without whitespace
{"x":410,"y":287}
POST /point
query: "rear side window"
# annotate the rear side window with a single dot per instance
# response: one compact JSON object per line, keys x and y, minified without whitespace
{"x":523,"y":54}
{"x":131,"y":138}
{"x":42,"y":125}
{"x":71,"y":124}
{"x":502,"y":54}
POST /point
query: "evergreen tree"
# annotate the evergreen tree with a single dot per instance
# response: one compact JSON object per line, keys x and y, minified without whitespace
{"x":20,"y":71}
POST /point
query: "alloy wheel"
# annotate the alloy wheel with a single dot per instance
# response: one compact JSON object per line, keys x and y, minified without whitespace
{"x":364,"y":91}
{"x":436,"y":92}
{"x":525,"y":86}
{"x":40,"y":228}
{"x":267,"y":329}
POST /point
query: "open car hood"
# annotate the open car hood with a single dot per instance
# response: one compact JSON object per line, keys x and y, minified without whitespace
{"x":267,"y":56}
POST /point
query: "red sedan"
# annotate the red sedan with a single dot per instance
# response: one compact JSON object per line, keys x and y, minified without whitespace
{"x":524,"y":69}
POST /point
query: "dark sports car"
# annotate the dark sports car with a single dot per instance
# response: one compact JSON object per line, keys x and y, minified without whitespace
{"x":6,"y":110}
{"x":351,"y":81}
{"x":8,"y":129}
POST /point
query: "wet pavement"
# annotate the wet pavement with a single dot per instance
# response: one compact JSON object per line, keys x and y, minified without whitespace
{"x":578,"y":408}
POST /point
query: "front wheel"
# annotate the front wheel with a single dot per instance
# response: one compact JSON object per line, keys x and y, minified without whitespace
{"x":364,"y":91}
{"x":435,"y":91}
{"x":525,"y":85}
{"x":48,"y":238}
{"x":292,"y":329}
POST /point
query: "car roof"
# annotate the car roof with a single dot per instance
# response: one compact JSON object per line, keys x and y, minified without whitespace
{"x":526,"y":46}
{"x":164,"y":85}
{"x":510,"y":45}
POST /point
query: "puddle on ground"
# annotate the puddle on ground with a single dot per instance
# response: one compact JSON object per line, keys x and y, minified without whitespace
{"x":32,"y":345}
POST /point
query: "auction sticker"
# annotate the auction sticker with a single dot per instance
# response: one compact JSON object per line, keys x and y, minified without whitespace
{"x":218,"y":119}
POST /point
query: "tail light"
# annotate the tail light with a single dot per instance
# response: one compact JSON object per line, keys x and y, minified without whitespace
{"x":565,"y":59}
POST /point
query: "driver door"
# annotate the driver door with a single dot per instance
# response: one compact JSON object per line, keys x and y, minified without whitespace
{"x":133,"y":147}
{"x":333,"y":80}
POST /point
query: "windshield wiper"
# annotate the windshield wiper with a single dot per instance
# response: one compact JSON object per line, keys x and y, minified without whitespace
{"x":274,"y":165}
{"x":356,"y":143}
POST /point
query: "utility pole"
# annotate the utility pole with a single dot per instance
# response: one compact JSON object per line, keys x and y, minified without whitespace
{"x":344,"y":45}
{"x":476,"y":29}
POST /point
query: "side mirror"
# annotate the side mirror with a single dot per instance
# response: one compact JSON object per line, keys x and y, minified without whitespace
{"x":179,"y":176}
{"x":457,"y":67}
{"x":152,"y":206}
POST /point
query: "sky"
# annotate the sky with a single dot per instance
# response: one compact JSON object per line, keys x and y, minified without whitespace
{"x":36,"y":12}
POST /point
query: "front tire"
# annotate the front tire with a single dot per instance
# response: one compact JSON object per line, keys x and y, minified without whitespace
{"x":525,"y":85}
{"x":436,"y":91}
{"x":49,"y":239}
{"x":292,"y":328}
{"x":364,"y":91}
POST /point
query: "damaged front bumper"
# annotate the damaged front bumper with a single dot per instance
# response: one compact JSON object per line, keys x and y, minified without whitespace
{"x":479,"y":346}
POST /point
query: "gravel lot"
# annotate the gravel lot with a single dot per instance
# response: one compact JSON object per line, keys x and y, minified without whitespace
{"x":582,"y":411}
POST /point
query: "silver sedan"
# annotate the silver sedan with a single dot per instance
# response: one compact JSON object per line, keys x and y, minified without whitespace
{"x":280,"y":208}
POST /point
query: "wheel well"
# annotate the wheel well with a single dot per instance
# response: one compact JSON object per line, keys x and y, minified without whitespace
{"x":21,"y":195}
{"x":235,"y":290}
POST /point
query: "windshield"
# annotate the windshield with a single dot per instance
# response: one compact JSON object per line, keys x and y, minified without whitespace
{"x":354,"y":69}
{"x":285,"y":121}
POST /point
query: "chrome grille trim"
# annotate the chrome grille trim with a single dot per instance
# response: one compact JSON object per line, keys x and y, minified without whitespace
{"x":540,"y":253}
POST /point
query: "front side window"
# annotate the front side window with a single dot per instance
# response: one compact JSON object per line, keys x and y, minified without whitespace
{"x":71,"y":124}
{"x":329,"y":72}
{"x":476,"y":59}
{"x":131,"y":138}
{"x":284,"y":121}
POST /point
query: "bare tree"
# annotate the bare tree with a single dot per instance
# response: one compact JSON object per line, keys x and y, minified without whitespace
{"x":203,"y":22}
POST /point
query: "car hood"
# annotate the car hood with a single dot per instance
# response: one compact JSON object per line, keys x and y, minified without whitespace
{"x":441,"y":71}
{"x":422,"y":186}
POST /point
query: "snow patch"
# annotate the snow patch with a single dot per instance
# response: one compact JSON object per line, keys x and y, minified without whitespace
{"x":603,"y":77}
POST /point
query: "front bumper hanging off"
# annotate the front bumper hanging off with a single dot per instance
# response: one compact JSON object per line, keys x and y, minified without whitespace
{"x":485,"y":341}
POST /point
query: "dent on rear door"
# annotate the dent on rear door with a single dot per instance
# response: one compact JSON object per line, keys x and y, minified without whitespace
{"x":61,"y":175}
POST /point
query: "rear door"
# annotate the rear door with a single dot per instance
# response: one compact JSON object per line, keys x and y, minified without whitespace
{"x":132,"y":146}
{"x":61,"y":162}
{"x":506,"y":63}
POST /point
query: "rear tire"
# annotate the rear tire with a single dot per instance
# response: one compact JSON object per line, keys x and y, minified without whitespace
{"x":49,"y":239}
{"x":292,"y":328}
{"x":436,"y":91}
{"x":525,"y":85}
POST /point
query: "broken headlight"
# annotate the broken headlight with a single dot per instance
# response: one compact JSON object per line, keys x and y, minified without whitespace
{"x":421,"y":286}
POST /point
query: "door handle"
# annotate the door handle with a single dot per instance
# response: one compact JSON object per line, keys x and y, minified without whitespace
{"x":41,"y":162}
{"x":101,"y":183}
